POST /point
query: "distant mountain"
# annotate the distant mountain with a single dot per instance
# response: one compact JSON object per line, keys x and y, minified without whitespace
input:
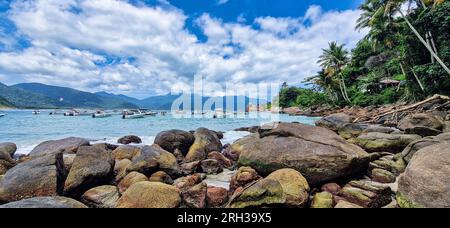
{"x":25,"y":99}
{"x":64,"y":97}
{"x":121,"y":97}
{"x":36,"y":95}
{"x":5,"y":103}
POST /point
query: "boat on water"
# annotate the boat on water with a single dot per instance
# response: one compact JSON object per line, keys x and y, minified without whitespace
{"x":36,"y":112}
{"x":2,"y":114}
{"x":101,"y":114}
{"x":132,"y":114}
{"x":75,"y":112}
{"x":219,"y":114}
{"x":148,"y":112}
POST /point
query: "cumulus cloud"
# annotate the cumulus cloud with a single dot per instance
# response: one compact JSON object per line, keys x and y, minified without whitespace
{"x":118,"y":47}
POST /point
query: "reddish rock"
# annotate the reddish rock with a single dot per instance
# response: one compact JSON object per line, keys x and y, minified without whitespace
{"x":244,"y":176}
{"x":161,"y":177}
{"x":195,"y":197}
{"x":332,"y":188}
{"x":184,"y":183}
{"x":224,"y":161}
{"x":216,"y":197}
{"x":211,"y":166}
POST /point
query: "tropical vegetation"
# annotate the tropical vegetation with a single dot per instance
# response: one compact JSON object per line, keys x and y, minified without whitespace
{"x":405,"y":56}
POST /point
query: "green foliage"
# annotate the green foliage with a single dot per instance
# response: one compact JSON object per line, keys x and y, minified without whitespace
{"x":293,"y":96}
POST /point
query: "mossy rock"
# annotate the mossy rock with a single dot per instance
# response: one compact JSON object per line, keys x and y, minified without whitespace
{"x":263,"y":193}
{"x":322,"y":200}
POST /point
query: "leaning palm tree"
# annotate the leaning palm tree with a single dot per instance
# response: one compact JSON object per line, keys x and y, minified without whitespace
{"x":379,"y":10}
{"x":333,"y":60}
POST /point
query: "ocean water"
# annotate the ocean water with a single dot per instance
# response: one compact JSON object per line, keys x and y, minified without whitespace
{"x":28,"y":130}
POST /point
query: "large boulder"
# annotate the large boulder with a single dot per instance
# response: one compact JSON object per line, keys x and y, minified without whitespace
{"x":334,"y":121}
{"x":284,"y":187}
{"x":381,"y":142}
{"x":294,"y":186}
{"x":426,"y":182}
{"x":45,"y":202}
{"x":175,"y":139}
{"x":120,"y":169}
{"x":129,"y":139}
{"x":105,"y":196}
{"x":420,"y":120}
{"x":92,"y":167}
{"x":42,"y":176}
{"x":417,"y":145}
{"x":67,"y":145}
{"x":262,"y":193}
{"x":150,"y":195}
{"x":9,"y":148}
{"x":319,"y":154}
{"x":206,"y":141}
{"x":152,"y":159}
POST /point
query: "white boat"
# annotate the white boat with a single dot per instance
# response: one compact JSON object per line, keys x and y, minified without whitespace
{"x":132,"y":114}
{"x":2,"y":114}
{"x":219,"y":114}
{"x":148,"y":112}
{"x":75,"y":112}
{"x":36,"y":112}
{"x":101,"y":114}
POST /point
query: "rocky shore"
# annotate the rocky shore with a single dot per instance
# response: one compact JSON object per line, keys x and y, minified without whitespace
{"x":342,"y":162}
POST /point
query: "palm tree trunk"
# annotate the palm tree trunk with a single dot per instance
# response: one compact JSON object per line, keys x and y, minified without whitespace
{"x":345,"y":89}
{"x":342,"y":90}
{"x":430,"y":49}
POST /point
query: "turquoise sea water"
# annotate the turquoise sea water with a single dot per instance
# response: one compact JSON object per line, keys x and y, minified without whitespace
{"x":28,"y":130}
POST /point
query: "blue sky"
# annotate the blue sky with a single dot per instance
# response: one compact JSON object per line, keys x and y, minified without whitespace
{"x":143,"y":48}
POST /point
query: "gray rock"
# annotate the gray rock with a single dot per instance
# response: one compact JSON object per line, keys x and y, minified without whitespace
{"x":92,"y":167}
{"x":334,"y":121}
{"x":319,"y":154}
{"x":175,"y":139}
{"x":67,"y":145}
{"x":42,"y":176}
{"x":9,"y":148}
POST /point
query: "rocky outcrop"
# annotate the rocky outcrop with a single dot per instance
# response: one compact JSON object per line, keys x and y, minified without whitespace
{"x":67,"y":145}
{"x":352,"y":130}
{"x":105,"y":196}
{"x":381,"y":142}
{"x":45,"y":202}
{"x":150,"y":195}
{"x":129,"y":139}
{"x":334,"y":121}
{"x":152,"y":159}
{"x":319,"y":154}
{"x":426,"y":183}
{"x":92,"y":167}
{"x":42,"y":176}
{"x":175,"y":140}
{"x":206,"y":141}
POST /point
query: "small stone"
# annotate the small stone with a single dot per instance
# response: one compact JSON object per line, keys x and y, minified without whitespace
{"x":129,"y":139}
{"x":216,"y":197}
{"x":162,"y":177}
{"x":322,"y":200}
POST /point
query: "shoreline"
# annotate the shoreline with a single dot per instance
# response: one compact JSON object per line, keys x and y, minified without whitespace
{"x":332,"y":164}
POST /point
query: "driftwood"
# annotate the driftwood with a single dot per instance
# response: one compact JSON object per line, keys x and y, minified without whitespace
{"x":408,"y":108}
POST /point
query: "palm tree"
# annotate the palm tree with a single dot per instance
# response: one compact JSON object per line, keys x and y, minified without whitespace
{"x":333,"y":60}
{"x":377,"y":11}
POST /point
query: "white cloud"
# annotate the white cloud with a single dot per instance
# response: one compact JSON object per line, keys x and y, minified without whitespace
{"x":73,"y":42}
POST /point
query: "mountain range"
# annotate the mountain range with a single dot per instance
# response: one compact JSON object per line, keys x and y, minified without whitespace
{"x":41,"y":96}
